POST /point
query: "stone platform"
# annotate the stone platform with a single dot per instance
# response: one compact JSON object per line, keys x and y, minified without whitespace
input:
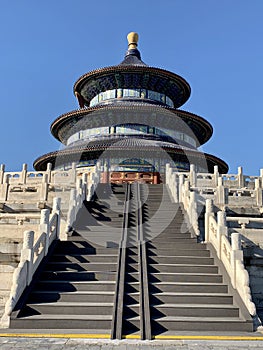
{"x":184,"y":342}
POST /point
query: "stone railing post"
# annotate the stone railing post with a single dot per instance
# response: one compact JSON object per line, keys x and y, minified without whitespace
{"x":240,"y":176}
{"x":240,"y":276}
{"x":24,"y":174}
{"x":79,"y":195}
{"x":221,"y":230}
{"x":209,"y":211}
{"x":193,"y":213}
{"x":48,"y":172}
{"x":236,"y":241}
{"x":186,"y":188}
{"x":236,"y":254}
{"x":73,"y":195}
{"x":168,"y":179}
{"x":56,"y":205}
{"x":2,"y":173}
{"x":90,"y":191}
{"x":79,"y":186}
{"x":27,"y":253}
{"x":73,"y":172}
{"x":56,"y":210}
{"x":72,"y":210}
{"x":192,"y":175}
{"x":261,"y":178}
{"x":44,"y":227}
{"x":258,"y":191}
{"x":168,"y":172}
{"x":180,"y":186}
{"x":221,"y":192}
{"x":221,"y":218}
{"x":44,"y":188}
{"x":4,"y":188}
{"x":85,"y":182}
{"x":174,"y":189}
{"x":216,"y":175}
{"x":94,"y":177}
{"x":97,"y":178}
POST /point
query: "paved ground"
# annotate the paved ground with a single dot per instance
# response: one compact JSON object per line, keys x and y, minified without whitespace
{"x":16,"y":343}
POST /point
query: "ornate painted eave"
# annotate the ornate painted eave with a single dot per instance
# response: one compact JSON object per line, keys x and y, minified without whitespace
{"x":73,"y":154}
{"x":133,"y":76}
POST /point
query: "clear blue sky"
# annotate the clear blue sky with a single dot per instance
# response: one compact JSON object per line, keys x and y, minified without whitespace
{"x":216,"y":45}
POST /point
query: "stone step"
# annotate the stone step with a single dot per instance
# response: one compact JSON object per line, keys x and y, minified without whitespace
{"x":131,"y":323}
{"x":173,"y":260}
{"x":193,"y":249}
{"x":77,"y":249}
{"x":187,"y":287}
{"x":72,"y":286}
{"x":132,"y":259}
{"x":170,"y":269}
{"x":191,"y":298}
{"x":88,"y":322}
{"x":187,"y":277}
{"x":194,"y":310}
{"x":166,"y":211}
{"x":214,"y":324}
{"x":132,"y":268}
{"x":160,"y":246}
{"x":132,"y":276}
{"x":131,"y":298}
{"x":88,"y":258}
{"x":131,"y":310}
{"x":164,"y":236}
{"x":67,"y":308}
{"x":80,"y":267}
{"x":78,"y":276}
{"x":168,"y":219}
{"x":96,"y":296}
{"x":185,"y":254}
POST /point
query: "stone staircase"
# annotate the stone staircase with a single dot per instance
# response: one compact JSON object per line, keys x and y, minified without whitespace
{"x":84,"y":286}
{"x":187,"y":290}
{"x":76,"y":287}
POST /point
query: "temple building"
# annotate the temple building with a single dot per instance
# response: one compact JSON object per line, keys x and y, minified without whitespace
{"x":130,"y":231}
{"x":129,"y":120}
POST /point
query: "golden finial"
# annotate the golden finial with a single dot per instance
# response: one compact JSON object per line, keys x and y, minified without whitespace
{"x":132,"y":40}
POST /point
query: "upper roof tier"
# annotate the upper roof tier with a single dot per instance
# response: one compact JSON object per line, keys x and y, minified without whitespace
{"x":131,"y":73}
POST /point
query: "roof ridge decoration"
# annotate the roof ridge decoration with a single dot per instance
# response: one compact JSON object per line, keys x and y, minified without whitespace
{"x":133,"y":56}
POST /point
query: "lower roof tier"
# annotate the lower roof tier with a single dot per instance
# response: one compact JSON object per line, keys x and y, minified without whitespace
{"x":153,"y":115}
{"x":115,"y":152}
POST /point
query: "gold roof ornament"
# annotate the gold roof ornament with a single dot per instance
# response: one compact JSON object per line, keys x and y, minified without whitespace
{"x":133,"y":38}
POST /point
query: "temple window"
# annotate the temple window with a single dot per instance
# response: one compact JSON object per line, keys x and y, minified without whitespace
{"x":131,"y":93}
{"x":130,"y":129}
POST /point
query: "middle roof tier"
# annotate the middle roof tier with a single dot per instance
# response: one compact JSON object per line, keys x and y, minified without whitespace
{"x":154,"y":116}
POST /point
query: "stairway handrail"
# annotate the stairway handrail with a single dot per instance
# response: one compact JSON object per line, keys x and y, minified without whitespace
{"x":31,"y":256}
{"x":77,"y":196}
{"x":230,"y":253}
{"x":117,"y":319}
{"x":179,"y":185}
{"x":145,"y":316}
